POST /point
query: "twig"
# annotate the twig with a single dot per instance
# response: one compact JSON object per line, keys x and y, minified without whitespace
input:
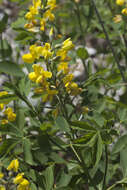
{"x":106,"y":168}
{"x":108,"y":40}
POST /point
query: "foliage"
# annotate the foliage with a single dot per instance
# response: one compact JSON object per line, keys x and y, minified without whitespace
{"x":59,"y":131}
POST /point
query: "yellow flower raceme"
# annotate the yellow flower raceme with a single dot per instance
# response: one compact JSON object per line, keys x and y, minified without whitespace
{"x":117,"y":18}
{"x":67,"y":45}
{"x":14,"y":165}
{"x":2,"y":187}
{"x":120,"y":2}
{"x":10,"y":115}
{"x":124,"y":11}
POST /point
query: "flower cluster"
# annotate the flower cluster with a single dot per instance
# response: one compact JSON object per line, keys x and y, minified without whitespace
{"x":57,"y":75}
{"x":38,"y":9}
{"x":118,"y":18}
{"x":36,"y":52}
{"x":8,"y":112}
{"x":23,"y":184}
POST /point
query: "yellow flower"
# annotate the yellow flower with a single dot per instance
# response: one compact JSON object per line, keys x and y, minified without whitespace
{"x":28,"y":58}
{"x":51,"y":32}
{"x":3,"y":93}
{"x":32,"y":76}
{"x":124,"y":11}
{"x":48,"y":96}
{"x":36,"y":51}
{"x":11,"y":116}
{"x":68,"y":78}
{"x":29,"y":16}
{"x":30,"y":27}
{"x":85,"y":110}
{"x":39,"y":75}
{"x":14,"y":165}
{"x":72,"y":88}
{"x":2,"y":187}
{"x":63,"y":66}
{"x":117,"y":18}
{"x":120,"y":2}
{"x":33,"y":10}
{"x":24,"y":182}
{"x":4,"y":121}
{"x":46,"y":51}
{"x":37,"y":3}
{"x":18,"y":179}
{"x":1,"y":175}
{"x":62,"y":53}
{"x":67,"y":45}
{"x":51,"y":3}
{"x":42,"y":24}
{"x":20,"y":187}
{"x":1,"y":106}
{"x":49,"y":15}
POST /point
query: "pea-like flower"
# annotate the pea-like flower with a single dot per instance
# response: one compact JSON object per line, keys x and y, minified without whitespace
{"x":120,"y":2}
{"x":14,"y":165}
{"x":10,"y":115}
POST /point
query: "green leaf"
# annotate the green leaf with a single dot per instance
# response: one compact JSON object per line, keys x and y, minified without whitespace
{"x":123,"y":161}
{"x":11,"y":68}
{"x":62,"y":124}
{"x":57,"y":159}
{"x":64,"y":180}
{"x":82,"y":53}
{"x":99,"y":119}
{"x":7,"y":146}
{"x":44,"y":144}
{"x":27,"y":152}
{"x":5,"y":49}
{"x":120,"y":144}
{"x":99,"y":149}
{"x":49,"y":178}
{"x":3,"y":23}
{"x":18,"y":24}
{"x":20,"y":119}
{"x":24,"y":35}
{"x":33,"y":186}
{"x":83,"y":125}
{"x":41,"y":157}
{"x":8,"y":98}
{"x":46,"y":126}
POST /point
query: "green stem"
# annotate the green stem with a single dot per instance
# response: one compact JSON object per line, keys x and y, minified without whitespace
{"x":108,"y":40}
{"x":106,"y":168}
{"x":83,"y":166}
